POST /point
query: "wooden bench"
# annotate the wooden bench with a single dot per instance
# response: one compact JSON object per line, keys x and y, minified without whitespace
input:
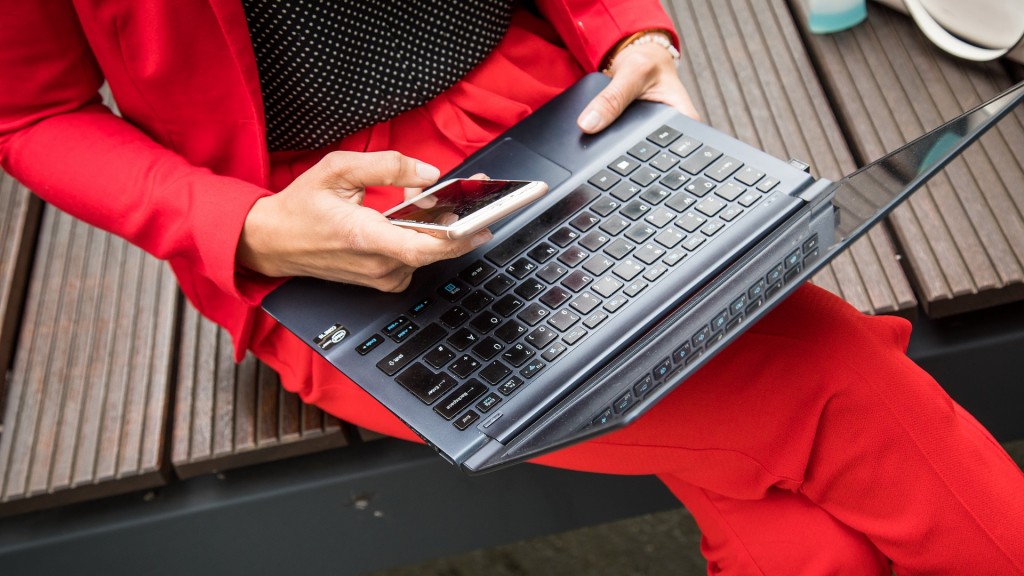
{"x":118,"y":386}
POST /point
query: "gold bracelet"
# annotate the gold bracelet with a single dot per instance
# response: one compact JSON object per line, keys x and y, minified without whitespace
{"x":653,"y":36}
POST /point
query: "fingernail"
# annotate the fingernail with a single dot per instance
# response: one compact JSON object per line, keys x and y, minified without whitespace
{"x":427,"y":172}
{"x":590,"y":121}
{"x":482,"y":237}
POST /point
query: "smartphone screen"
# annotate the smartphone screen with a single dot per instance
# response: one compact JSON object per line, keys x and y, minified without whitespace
{"x":458,"y":198}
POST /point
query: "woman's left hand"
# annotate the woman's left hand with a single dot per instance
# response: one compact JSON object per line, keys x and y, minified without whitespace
{"x":639,"y":71}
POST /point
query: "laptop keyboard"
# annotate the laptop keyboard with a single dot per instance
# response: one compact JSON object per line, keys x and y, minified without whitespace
{"x":539,"y":293}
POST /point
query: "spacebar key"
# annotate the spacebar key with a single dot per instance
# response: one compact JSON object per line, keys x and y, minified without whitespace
{"x":413,"y":347}
{"x":504,"y":253}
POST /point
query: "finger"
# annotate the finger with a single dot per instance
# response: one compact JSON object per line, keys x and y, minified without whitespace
{"x":669,"y":90}
{"x":609,"y":104}
{"x":425,"y":202}
{"x":349,"y":170}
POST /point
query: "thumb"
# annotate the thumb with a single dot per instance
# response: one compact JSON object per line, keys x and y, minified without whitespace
{"x":609,"y":104}
{"x":357,"y":170}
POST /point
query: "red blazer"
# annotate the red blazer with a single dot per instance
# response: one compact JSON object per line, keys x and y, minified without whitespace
{"x":178,"y":174}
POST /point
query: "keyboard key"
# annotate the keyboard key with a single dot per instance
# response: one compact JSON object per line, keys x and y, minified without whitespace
{"x":454,"y":317}
{"x":634,"y":288}
{"x":640,"y":232}
{"x":642,"y":151}
{"x":404,"y":333}
{"x":619,"y":249}
{"x":680,"y":201}
{"x":691,"y":221}
{"x":604,"y":180}
{"x":712,"y":227}
{"x":420,"y":307}
{"x":424,"y":384}
{"x":693,"y":242}
{"x":674,"y":180}
{"x":645,"y":385}
{"x":507,"y":305}
{"x":555,"y":297}
{"x":499,"y":284}
{"x":464,"y":366}
{"x":542,"y":252}
{"x":550,"y":273}
{"x":748,"y":199}
{"x":662,"y":369}
{"x":396,"y":325}
{"x":614,"y":224}
{"x":598,"y":265}
{"x":453,"y":290}
{"x":674,"y":257}
{"x":719,"y":321}
{"x":730,"y":213}
{"x":700,"y":187}
{"x":664,"y":161}
{"x":594,"y":240}
{"x":510,"y":385}
{"x":488,"y":402}
{"x":521,"y":268}
{"x":466,"y":420}
{"x":553,"y":351}
{"x":439,"y":356}
{"x":628,"y":269}
{"x":710,"y":206}
{"x":530,"y":289}
{"x":767,"y":184}
{"x":563,"y":237}
{"x":607,"y":286}
{"x":603,"y":418}
{"x":577,"y":281}
{"x":411,"y":348}
{"x":463,"y":339}
{"x":654,"y":195}
{"x":649,"y":253}
{"x":540,"y":337}
{"x":540,"y":227}
{"x":622,"y":403}
{"x":495,"y":372}
{"x":573,"y":256}
{"x":477,"y":301}
{"x":516,"y":354}
{"x":486,"y":322}
{"x":730,"y":191}
{"x":595,"y":319}
{"x":614,"y":303}
{"x":669,"y":238}
{"x":738,"y":305}
{"x":563,"y":320}
{"x":533,"y":314}
{"x":793,"y":259}
{"x":660,"y":217}
{"x":584,"y":221}
{"x":749,"y":175}
{"x":664,"y":136}
{"x":682,"y":354}
{"x":605,"y":206}
{"x":774,"y":275}
{"x":655,"y":272}
{"x":700,"y":337}
{"x":476,"y":273}
{"x":700,"y":160}
{"x":756,"y":291}
{"x":532,"y":368}
{"x":488,"y":348}
{"x":624,"y":165}
{"x":462,"y":397}
{"x":726,"y":166}
{"x":585,"y":303}
{"x":369,"y":344}
{"x":645,"y":176}
{"x":635,"y":210}
{"x":626,"y":191}
{"x":510,"y":331}
{"x":685,"y":146}
{"x":574,"y":335}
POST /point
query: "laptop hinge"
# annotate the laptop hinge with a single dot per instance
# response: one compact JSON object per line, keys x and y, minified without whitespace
{"x":820,"y":191}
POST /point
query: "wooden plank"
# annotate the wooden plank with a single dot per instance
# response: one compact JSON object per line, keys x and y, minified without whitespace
{"x":750,"y":76}
{"x":88,"y":399}
{"x":19,"y":221}
{"x":963,"y":234}
{"x":229,"y":415}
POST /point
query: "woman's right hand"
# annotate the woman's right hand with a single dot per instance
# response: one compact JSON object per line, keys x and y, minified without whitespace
{"x":318,"y":227}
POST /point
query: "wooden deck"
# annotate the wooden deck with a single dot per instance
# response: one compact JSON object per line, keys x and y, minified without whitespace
{"x":114,"y":384}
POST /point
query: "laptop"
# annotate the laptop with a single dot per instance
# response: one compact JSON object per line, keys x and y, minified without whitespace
{"x":660,"y":241}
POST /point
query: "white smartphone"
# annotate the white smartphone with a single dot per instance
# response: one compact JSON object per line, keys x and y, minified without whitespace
{"x":463,"y":206}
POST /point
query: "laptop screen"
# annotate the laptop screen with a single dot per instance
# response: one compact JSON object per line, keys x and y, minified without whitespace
{"x":872,"y":192}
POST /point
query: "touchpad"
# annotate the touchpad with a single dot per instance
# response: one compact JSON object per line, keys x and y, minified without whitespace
{"x":510,"y":160}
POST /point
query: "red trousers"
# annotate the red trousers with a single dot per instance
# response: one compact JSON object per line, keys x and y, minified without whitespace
{"x":812,"y":445}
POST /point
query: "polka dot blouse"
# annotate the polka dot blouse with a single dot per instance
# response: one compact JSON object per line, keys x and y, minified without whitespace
{"x":329,"y":68}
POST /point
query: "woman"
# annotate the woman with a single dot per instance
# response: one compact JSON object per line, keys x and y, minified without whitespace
{"x":844,"y":462}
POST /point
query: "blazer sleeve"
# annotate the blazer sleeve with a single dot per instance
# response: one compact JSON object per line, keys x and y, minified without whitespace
{"x":58,"y":139}
{"x":590,"y":28}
